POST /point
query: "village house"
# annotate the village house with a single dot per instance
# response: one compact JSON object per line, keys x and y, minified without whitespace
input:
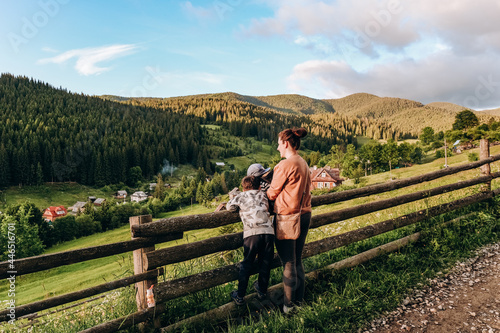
{"x":138,"y":196}
{"x":99,"y":201}
{"x":221,"y":207}
{"x":77,"y":207}
{"x":121,"y":194}
{"x":52,"y":213}
{"x":152,"y":186}
{"x":325,"y":177}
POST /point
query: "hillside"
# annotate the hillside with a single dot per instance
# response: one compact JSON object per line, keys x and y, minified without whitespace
{"x":242,"y":118}
{"x":447,"y":106}
{"x":405,"y":116}
{"x":492,"y":112}
{"x":49,"y":134}
{"x":290,"y":104}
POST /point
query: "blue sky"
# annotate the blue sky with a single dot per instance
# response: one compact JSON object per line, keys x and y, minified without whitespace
{"x":428,"y":51}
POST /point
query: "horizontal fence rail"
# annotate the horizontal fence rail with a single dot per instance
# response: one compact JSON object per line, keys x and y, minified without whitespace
{"x":81,"y":294}
{"x":146,"y":235}
{"x":233,"y":241}
{"x":193,"y":283}
{"x":47,"y":261}
{"x":217,"y":219}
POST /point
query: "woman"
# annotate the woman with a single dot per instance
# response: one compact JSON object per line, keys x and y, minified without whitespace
{"x":290,"y":188}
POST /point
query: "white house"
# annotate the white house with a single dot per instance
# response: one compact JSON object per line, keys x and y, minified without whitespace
{"x":121,"y":194}
{"x":138,"y":196}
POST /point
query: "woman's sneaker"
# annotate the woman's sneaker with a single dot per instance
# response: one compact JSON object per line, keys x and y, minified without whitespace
{"x":260,"y":294}
{"x":237,"y":299}
{"x":289,"y":310}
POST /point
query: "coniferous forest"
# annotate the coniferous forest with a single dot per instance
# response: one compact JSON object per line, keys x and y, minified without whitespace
{"x":49,"y":134}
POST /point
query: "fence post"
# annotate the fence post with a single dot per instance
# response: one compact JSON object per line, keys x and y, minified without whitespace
{"x":139,"y":267}
{"x":484,"y":152}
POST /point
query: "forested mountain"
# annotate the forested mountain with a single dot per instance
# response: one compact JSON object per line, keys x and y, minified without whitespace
{"x":406,"y":117}
{"x":49,"y":134}
{"x":357,"y":114}
{"x":447,"y":106}
{"x":293,"y":104}
{"x":244,"y":119}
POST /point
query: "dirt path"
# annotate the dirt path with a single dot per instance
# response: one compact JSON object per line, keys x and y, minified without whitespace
{"x":467,"y":299}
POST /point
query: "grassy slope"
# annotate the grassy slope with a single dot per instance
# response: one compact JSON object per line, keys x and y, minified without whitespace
{"x":83,"y":275}
{"x":50,"y":194}
{"x":250,"y":156}
{"x":61,"y":280}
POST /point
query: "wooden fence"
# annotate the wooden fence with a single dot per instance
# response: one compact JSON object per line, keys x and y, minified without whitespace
{"x":149,"y":262}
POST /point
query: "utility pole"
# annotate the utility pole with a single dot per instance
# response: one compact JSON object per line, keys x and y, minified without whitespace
{"x":445,"y":154}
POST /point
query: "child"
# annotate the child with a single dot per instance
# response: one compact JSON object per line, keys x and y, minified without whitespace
{"x":258,"y":236}
{"x":264,"y":175}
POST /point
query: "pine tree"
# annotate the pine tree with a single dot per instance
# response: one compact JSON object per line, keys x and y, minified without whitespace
{"x":199,"y":193}
{"x":4,"y":167}
{"x":208,"y":193}
{"x":159,"y":192}
{"x":39,"y":175}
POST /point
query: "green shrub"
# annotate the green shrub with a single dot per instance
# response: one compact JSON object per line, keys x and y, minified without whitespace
{"x":473,"y":157}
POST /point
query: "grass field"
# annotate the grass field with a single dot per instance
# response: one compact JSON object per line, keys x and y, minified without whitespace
{"x":61,"y":280}
{"x":50,"y":194}
{"x":38,"y":286}
{"x":57,"y":281}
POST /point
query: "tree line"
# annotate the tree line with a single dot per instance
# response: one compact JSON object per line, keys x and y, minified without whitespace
{"x":34,"y":234}
{"x":49,"y":134}
{"x":243,"y":119}
{"x":466,"y":129}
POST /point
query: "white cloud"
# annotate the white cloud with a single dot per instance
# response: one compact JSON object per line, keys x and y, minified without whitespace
{"x":317,"y":44}
{"x":422,"y":50}
{"x":435,"y":78}
{"x":393,"y":24}
{"x":88,"y":58}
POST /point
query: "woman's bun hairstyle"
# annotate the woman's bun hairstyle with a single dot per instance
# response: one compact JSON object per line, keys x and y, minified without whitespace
{"x":293,"y":135}
{"x":300,"y":132}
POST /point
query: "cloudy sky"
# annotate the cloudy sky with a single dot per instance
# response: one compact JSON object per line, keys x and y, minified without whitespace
{"x":424,"y":50}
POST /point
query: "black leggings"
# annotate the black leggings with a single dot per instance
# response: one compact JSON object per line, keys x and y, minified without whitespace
{"x":290,"y":252}
{"x":262,"y":247}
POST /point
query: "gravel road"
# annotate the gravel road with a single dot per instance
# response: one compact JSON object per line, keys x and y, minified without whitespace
{"x":466,"y":299}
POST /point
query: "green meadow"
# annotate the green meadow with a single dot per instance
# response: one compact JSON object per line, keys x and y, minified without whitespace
{"x":65,"y":279}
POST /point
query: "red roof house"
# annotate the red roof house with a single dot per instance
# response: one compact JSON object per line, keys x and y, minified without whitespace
{"x":52,"y":213}
{"x":325,"y":177}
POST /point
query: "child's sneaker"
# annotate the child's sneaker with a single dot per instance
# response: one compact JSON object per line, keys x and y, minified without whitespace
{"x":260,"y":294}
{"x":289,"y":310}
{"x":237,"y":299}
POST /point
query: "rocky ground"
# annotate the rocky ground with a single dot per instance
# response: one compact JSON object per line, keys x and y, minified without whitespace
{"x":466,"y":299}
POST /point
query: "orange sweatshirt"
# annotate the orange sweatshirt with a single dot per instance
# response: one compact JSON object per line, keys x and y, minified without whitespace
{"x":291,"y":178}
